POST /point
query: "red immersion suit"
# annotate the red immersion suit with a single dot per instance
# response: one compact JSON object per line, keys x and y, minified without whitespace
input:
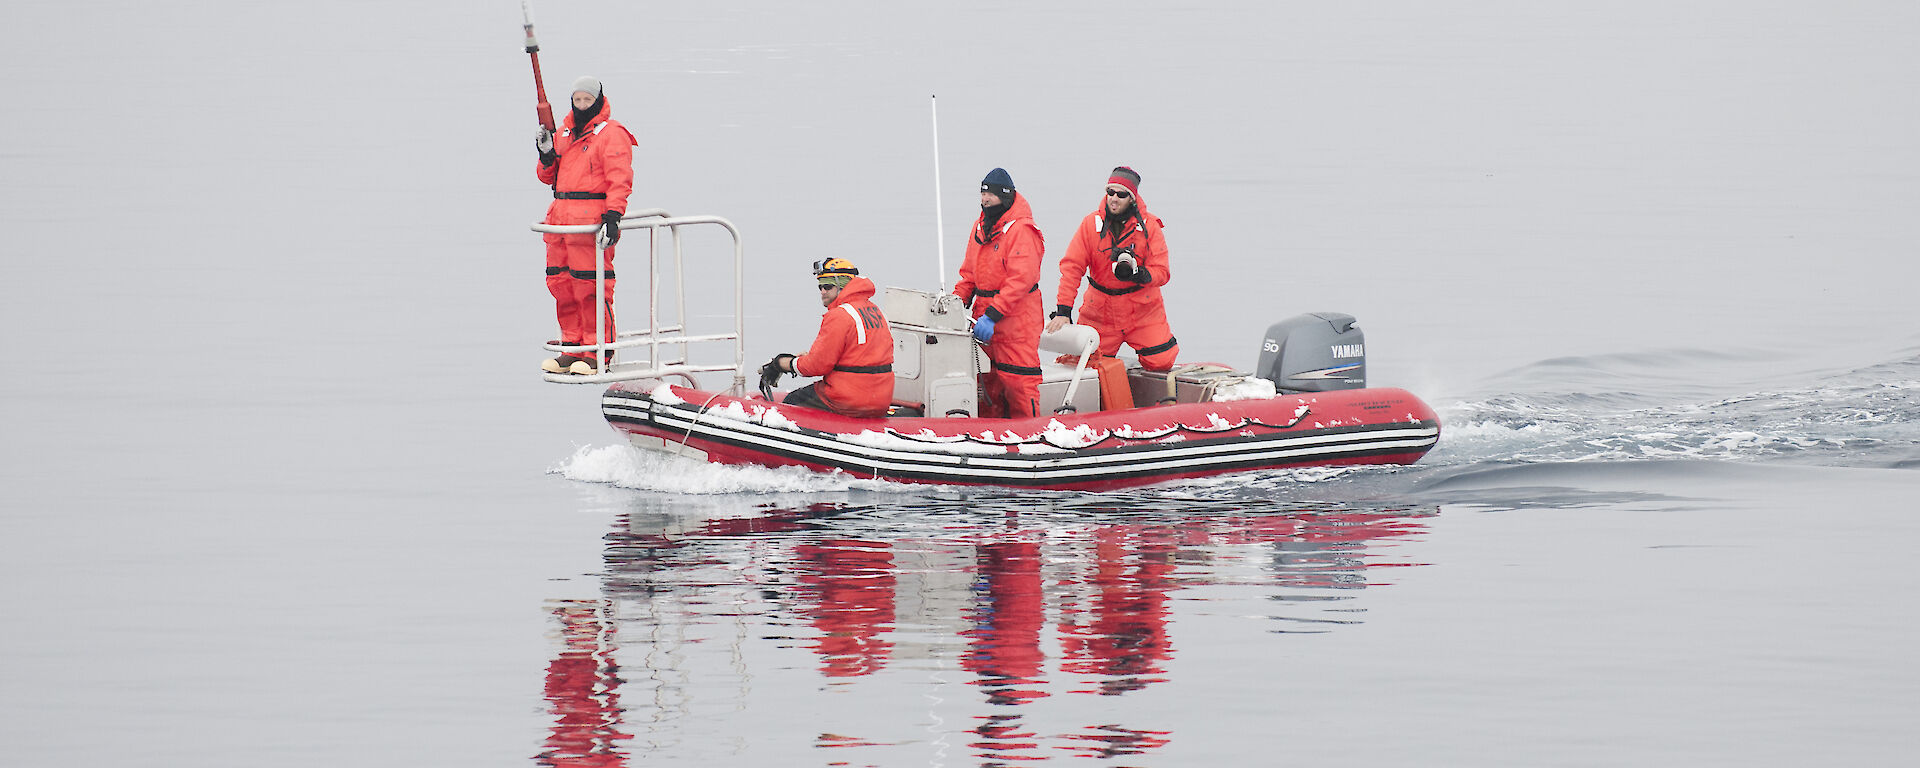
{"x":1001,"y":278}
{"x":1120,"y":310}
{"x":593,"y":175}
{"x":854,"y":352}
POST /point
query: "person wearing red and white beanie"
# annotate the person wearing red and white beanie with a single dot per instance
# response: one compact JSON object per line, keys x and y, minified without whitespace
{"x":1122,"y":255}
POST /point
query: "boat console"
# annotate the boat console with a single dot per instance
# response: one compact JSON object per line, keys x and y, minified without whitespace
{"x":937,"y":365}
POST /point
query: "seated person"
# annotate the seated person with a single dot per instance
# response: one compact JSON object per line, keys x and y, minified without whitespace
{"x":853,"y":351}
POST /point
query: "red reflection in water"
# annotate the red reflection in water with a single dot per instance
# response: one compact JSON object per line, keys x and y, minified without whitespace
{"x":1003,"y":645}
{"x":1123,"y":635}
{"x":850,"y":584}
{"x":1002,"y":738}
{"x":1109,"y":587}
{"x":581,"y":692}
{"x":1110,"y":741}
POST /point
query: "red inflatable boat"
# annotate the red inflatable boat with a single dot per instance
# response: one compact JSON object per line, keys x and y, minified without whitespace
{"x":1095,"y":451}
{"x":1306,"y":404}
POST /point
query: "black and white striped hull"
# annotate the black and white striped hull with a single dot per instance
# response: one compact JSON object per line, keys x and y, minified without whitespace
{"x":889,"y":448}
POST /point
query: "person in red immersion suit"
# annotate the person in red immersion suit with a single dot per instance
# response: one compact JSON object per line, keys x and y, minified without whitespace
{"x":1120,"y":250}
{"x":853,"y":351}
{"x":1000,"y":281}
{"x":590,"y":167}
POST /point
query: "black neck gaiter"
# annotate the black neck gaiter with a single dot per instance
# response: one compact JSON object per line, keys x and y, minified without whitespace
{"x":581,"y":116}
{"x":990,"y":218}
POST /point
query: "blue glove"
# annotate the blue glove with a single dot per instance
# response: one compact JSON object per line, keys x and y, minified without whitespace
{"x":983,"y":329}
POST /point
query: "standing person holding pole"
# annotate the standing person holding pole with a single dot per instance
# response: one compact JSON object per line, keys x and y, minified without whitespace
{"x":1000,"y":281}
{"x":589,"y":164}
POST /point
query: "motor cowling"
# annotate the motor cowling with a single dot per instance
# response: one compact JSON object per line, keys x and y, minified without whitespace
{"x":1314,"y":352}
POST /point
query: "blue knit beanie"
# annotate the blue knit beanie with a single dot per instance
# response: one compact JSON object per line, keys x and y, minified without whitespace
{"x":1000,"y":184}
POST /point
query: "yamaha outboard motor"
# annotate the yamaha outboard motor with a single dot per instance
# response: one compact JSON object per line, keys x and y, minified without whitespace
{"x":1314,"y":352}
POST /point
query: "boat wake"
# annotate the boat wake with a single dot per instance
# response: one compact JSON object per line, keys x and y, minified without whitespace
{"x":624,"y":466}
{"x":1864,"y":417}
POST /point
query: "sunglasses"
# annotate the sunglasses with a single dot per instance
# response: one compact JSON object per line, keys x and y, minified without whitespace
{"x":1119,"y":193}
{"x":827,"y":286}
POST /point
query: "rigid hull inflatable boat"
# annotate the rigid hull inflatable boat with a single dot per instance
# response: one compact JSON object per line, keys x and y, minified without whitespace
{"x":1096,"y":451}
{"x":1306,"y":404}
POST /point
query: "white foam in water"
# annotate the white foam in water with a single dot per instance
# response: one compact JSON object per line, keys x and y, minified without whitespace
{"x":627,"y":467}
{"x":1838,"y":418}
{"x":1275,"y":478}
{"x":1486,"y":437}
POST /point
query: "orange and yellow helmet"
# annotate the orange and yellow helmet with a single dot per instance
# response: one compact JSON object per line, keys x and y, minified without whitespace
{"x":835,"y":266}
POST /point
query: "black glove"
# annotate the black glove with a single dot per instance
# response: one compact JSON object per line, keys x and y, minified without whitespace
{"x":769,"y":376}
{"x":1140,"y":275}
{"x":543,"y":141}
{"x":611,"y":220}
{"x":771,"y":372}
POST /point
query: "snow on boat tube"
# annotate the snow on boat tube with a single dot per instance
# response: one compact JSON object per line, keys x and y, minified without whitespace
{"x":1095,"y":451}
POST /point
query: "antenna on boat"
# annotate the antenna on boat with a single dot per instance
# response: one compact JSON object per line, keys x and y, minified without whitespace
{"x":939,"y":228}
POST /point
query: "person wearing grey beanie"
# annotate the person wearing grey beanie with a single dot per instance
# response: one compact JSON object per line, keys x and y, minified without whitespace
{"x":587,"y":89}
{"x":589,"y":164}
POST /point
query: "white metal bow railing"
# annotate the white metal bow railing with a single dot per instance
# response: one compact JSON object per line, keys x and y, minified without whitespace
{"x":666,"y":346}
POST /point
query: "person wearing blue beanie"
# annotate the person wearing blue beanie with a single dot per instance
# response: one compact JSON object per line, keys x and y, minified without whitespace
{"x":1000,"y":281}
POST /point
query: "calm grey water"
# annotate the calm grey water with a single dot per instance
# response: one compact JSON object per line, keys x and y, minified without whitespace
{"x":282,"y":486}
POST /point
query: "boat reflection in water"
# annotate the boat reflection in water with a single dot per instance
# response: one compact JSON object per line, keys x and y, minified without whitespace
{"x":761,"y":632}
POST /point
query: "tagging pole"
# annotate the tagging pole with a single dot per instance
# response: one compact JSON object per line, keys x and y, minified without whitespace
{"x":533,"y":51}
{"x":939,"y":227}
